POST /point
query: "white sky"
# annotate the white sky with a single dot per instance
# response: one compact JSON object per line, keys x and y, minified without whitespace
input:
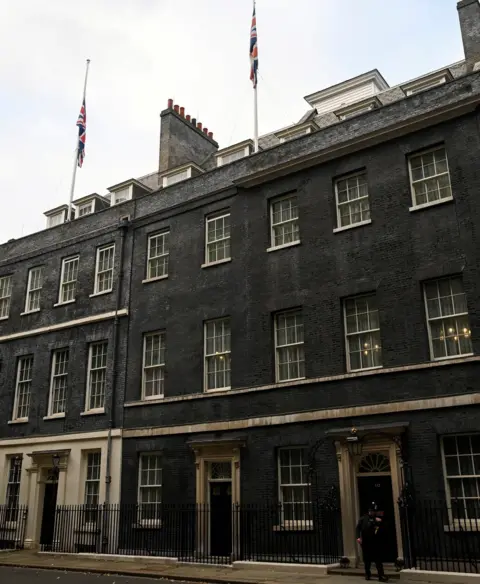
{"x":196,"y":51}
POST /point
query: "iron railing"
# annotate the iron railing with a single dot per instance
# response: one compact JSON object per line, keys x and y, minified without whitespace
{"x":441,"y":537}
{"x":13,"y":522}
{"x":200,"y":533}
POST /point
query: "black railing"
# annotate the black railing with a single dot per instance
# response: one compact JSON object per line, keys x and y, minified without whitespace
{"x":13,"y":522}
{"x":199,"y":533}
{"x":441,"y":537}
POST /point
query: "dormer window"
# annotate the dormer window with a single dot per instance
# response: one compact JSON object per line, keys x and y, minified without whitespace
{"x":361,"y":107}
{"x":90,"y":204}
{"x":56,"y":219}
{"x":121,"y":195}
{"x":85,"y":209}
{"x":175,"y":178}
{"x":296,"y":131}
{"x":427,"y":82}
{"x":179,"y":174}
{"x":233,"y":153}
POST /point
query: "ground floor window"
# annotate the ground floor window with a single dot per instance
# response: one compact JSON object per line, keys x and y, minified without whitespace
{"x":13,"y":487}
{"x":294,"y":484}
{"x":150,"y":487}
{"x":92,"y":486}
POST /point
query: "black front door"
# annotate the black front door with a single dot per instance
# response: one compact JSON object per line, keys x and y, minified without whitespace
{"x":220,"y":519}
{"x":48,"y":515}
{"x":378,"y":490}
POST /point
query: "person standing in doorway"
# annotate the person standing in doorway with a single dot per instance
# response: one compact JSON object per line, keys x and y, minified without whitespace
{"x":370,"y":535}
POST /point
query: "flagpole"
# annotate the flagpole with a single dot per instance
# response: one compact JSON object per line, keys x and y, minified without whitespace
{"x":255,"y":101}
{"x":75,"y":161}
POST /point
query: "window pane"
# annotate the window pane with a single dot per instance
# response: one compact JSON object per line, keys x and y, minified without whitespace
{"x":430,"y":177}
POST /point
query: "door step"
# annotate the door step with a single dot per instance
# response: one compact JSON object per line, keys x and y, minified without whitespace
{"x":391,"y":573}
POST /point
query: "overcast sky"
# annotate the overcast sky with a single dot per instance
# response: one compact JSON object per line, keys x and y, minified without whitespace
{"x":196,"y":51}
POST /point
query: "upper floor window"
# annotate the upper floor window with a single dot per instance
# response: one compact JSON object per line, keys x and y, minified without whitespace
{"x":56,"y":219}
{"x":58,"y":382}
{"x":229,"y":157}
{"x":150,"y":487}
{"x":294,"y":485}
{"x":447,"y":317}
{"x":217,"y":354}
{"x":157,"y":257}
{"x":68,"y":280}
{"x":5,"y":295}
{"x":284,"y":225}
{"x":85,"y":209}
{"x":177,"y":177}
{"x":217,"y":238}
{"x":153,"y":365}
{"x":97,"y":376}
{"x":121,"y":196}
{"x":429,"y":177}
{"x":12,"y":498}
{"x":104,"y":269}
{"x":23,"y":388}
{"x":461,"y":456}
{"x":353,"y":205}
{"x":289,"y":348}
{"x":34,"y":289}
{"x":362,"y":333}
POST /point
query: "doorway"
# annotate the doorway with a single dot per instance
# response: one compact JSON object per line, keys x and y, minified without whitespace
{"x":220,"y":519}
{"x":378,"y":489}
{"x":48,"y":516}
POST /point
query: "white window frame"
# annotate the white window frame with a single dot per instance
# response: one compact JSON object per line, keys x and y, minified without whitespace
{"x":158,"y":459}
{"x":176,"y":177}
{"x":295,"y":134}
{"x":91,"y":510}
{"x":421,"y":153}
{"x":233,"y":156}
{"x":465,"y":524}
{"x":278,"y":348}
{"x":350,"y":177}
{"x":56,"y":219}
{"x":91,"y":374}
{"x":100,"y":250}
{"x":296,"y":220}
{"x":293,"y":523}
{"x":14,"y":481}
{"x":362,"y":333}
{"x":6,"y":286}
{"x":225,"y":355}
{"x":208,"y":244}
{"x":445,"y":318}
{"x":20,"y":382}
{"x":33,"y":292}
{"x":90,"y":205}
{"x":114,"y":195}
{"x":164,"y":256}
{"x":60,"y":375}
{"x":160,"y":366}
{"x":65,"y":284}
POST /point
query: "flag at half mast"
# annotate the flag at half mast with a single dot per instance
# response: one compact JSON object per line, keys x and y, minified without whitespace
{"x":253,"y":50}
{"x":82,"y":134}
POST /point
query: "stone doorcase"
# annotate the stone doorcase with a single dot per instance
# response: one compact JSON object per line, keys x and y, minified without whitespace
{"x":384,"y":440}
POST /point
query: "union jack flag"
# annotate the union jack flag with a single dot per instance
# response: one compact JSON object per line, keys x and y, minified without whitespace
{"x":253,"y":50}
{"x":82,"y":134}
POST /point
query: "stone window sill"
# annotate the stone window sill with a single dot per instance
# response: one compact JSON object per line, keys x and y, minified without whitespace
{"x":294,"y":526}
{"x":437,"y":359}
{"x":3,"y":317}
{"x":64,"y":303}
{"x":430,"y":204}
{"x":18,"y":421}
{"x":95,"y":412}
{"x":284,"y":246}
{"x":346,"y":227}
{"x":101,"y":293}
{"x":217,"y":263}
{"x":144,"y":402}
{"x":148,"y":524}
{"x":30,"y":312}
{"x":365,"y":369}
{"x":148,"y":280}
{"x":55,"y":416}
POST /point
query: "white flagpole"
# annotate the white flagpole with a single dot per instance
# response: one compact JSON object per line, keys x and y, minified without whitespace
{"x":255,"y":98}
{"x":75,"y":161}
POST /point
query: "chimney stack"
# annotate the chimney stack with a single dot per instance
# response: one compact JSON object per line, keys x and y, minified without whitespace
{"x":170,"y":104}
{"x":469,"y":15}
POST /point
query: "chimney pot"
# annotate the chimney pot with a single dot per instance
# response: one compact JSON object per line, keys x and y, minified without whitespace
{"x":188,"y":117}
{"x":210,"y":135}
{"x":205,"y":130}
{"x":194,"y":121}
{"x":199,"y":125}
{"x":170,"y":103}
{"x":182,"y":111}
{"x":176,"y":108}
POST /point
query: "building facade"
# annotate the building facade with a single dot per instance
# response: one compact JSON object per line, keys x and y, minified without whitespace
{"x":248,"y":328}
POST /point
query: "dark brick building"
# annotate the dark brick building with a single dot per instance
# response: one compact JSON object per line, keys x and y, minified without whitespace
{"x":237,"y":324}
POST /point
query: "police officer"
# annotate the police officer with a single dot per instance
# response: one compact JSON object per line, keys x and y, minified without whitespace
{"x":370,"y":535}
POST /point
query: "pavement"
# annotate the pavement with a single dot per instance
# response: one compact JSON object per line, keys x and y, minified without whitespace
{"x":29,"y":567}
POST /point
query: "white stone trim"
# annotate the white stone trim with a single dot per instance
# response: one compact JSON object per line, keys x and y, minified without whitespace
{"x":54,"y":439}
{"x":313,"y":416}
{"x":65,"y":325}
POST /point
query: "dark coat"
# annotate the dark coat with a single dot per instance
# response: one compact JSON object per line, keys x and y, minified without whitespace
{"x":372,"y":533}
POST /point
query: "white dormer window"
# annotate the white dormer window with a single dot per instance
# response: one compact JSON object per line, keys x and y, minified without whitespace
{"x":177,"y":177}
{"x":56,"y":219}
{"x":356,"y":109}
{"x":121,"y":196}
{"x":296,"y":134}
{"x":232,"y":155}
{"x":85,"y":209}
{"x":428,"y":82}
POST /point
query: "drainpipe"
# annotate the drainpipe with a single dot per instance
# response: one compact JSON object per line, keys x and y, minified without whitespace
{"x":123,"y":227}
